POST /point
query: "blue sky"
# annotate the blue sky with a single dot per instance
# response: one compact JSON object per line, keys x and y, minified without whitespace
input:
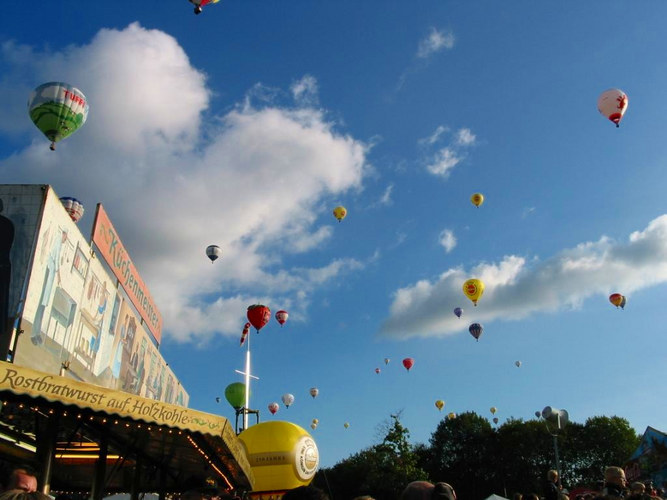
{"x":246,"y":125}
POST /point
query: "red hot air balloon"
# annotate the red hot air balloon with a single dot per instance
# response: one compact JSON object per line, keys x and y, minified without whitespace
{"x":616,"y":299}
{"x":281,"y":317}
{"x":408,"y":362}
{"x":273,"y":408}
{"x":259,"y":316}
{"x":377,"y":370}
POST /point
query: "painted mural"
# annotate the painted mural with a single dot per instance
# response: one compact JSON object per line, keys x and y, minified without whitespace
{"x":79,"y":323}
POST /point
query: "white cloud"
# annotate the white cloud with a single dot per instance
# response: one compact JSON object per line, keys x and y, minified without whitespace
{"x":447,"y":240}
{"x":434,"y":42}
{"x":442,"y":162}
{"x":465,"y":137}
{"x":446,"y":159}
{"x":435,"y":136}
{"x":251,"y":181}
{"x":516,"y":289}
{"x":305,"y":91}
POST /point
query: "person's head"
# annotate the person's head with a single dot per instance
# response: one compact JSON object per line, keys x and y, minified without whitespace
{"x":423,"y":490}
{"x":552,"y":476}
{"x":615,"y":475}
{"x":305,"y":493}
{"x":22,"y":478}
{"x":517,"y":496}
{"x":23,"y":495}
{"x":364,"y":497}
{"x":637,"y":487}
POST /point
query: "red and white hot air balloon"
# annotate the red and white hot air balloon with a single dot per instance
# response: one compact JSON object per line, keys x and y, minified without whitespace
{"x":273,"y":408}
{"x":612,"y":103}
{"x":281,"y":317}
{"x":258,"y":315}
{"x":73,"y":207}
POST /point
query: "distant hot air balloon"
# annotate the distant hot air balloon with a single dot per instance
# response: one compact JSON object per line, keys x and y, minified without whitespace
{"x":451,"y":416}
{"x":316,"y":421}
{"x":217,"y":400}
{"x":386,"y":361}
{"x":346,"y":425}
{"x":477,"y":199}
{"x":200,"y":3}
{"x":616,"y":299}
{"x":73,"y":207}
{"x":314,"y":391}
{"x":244,"y":333}
{"x":235,"y":395}
{"x":476,"y":330}
{"x":377,"y":370}
{"x":473,"y":289}
{"x":518,"y":364}
{"x":288,"y":399}
{"x":458,"y":311}
{"x":440,"y":404}
{"x":495,"y":420}
{"x":612,"y":103}
{"x":258,"y":315}
{"x":273,"y":408}
{"x":213,"y":252}
{"x":281,"y":317}
{"x":623,"y":301}
{"x":493,"y":410}
{"x":313,"y":426}
{"x":339,"y":213}
{"x":58,"y":110}
{"x":408,"y":363}
{"x":538,"y":414}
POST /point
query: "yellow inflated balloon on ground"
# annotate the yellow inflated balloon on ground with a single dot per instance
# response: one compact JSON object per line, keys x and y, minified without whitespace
{"x":282,"y":456}
{"x":477,"y":199}
{"x":473,"y":289}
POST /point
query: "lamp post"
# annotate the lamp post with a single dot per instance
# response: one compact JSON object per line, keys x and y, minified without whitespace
{"x":558,"y":419}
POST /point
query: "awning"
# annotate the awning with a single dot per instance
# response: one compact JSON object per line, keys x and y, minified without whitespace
{"x":176,"y":447}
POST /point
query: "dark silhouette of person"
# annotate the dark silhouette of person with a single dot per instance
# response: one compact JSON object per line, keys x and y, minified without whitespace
{"x":6,"y":242}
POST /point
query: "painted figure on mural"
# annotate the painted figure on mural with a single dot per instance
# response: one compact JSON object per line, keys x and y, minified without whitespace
{"x":52,"y":271}
{"x":6,"y":241}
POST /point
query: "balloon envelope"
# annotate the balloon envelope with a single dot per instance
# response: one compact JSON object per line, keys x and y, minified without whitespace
{"x":493,"y":410}
{"x":281,"y":317}
{"x":346,"y":425}
{"x":440,"y":404}
{"x":477,"y":199}
{"x":495,"y":420}
{"x":73,"y":207}
{"x":339,"y":213}
{"x":476,"y":330}
{"x":408,"y":363}
{"x":451,"y":416}
{"x":288,"y":399}
{"x":314,"y":391}
{"x":623,"y":301}
{"x":213,"y":252}
{"x":517,"y":363}
{"x":235,"y":395}
{"x":616,"y":299}
{"x":613,"y":103}
{"x":458,"y":311}
{"x":258,"y":315}
{"x":57,"y":109}
{"x":473,"y":289}
{"x":273,"y":408}
{"x":386,"y":361}
{"x":377,"y":370}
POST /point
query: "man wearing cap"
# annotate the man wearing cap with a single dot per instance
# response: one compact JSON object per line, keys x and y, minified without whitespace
{"x":614,"y":482}
{"x":423,"y":490}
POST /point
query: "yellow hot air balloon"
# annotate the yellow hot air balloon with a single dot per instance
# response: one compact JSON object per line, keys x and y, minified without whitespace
{"x":473,"y":289}
{"x":346,"y":425}
{"x":493,"y":410}
{"x":477,"y":199}
{"x":451,"y":416}
{"x":340,"y":213}
{"x":440,"y":404}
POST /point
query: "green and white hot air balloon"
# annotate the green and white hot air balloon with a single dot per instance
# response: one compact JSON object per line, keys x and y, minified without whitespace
{"x":58,"y":110}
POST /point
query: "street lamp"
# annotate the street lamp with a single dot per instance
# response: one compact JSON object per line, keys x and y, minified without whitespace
{"x":558,"y":420}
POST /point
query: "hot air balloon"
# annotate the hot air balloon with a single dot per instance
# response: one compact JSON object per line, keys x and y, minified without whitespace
{"x":495,"y":420}
{"x":386,"y":361}
{"x":314,"y":391}
{"x":313,"y":426}
{"x":339,"y":213}
{"x":58,"y":110}
{"x":288,"y":399}
{"x":281,"y":317}
{"x":440,"y":404}
{"x":377,"y":370}
{"x":458,"y":311}
{"x":73,"y":207}
{"x":200,"y":3}
{"x":408,"y":363}
{"x":477,"y":199}
{"x":493,"y":410}
{"x":612,"y":103}
{"x":235,"y":395}
{"x":451,"y":416}
{"x":538,"y":414}
{"x":476,"y":330}
{"x":623,"y":301}
{"x":473,"y":289}
{"x":213,"y":252}
{"x":258,"y":315}
{"x":346,"y":425}
{"x":616,"y":299}
{"x":217,"y":400}
{"x":273,"y":408}
{"x":316,"y":421}
{"x":518,"y":364}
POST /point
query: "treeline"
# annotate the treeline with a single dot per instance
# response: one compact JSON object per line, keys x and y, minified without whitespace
{"x":479,"y":459}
